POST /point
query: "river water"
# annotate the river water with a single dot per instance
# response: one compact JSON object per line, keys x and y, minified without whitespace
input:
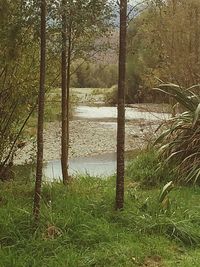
{"x":104,"y":164}
{"x":99,"y":165}
{"x":110,"y":113}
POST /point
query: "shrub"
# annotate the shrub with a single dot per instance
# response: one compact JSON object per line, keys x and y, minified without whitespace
{"x":53,"y":105}
{"x":110,"y":96}
{"x":180,"y":140}
{"x":148,"y":169}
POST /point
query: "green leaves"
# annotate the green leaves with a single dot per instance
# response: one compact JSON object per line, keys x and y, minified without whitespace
{"x":180,"y":142}
{"x":196,"y":115}
{"x":165,"y":191}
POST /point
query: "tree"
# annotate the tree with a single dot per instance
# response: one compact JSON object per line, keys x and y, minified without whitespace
{"x":65,"y":97}
{"x":163,"y":44}
{"x":121,"y":107}
{"x":41,"y":99}
{"x":83,"y":22}
{"x":18,"y":75}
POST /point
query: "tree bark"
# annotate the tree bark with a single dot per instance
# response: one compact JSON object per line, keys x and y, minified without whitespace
{"x":196,"y":35}
{"x":41,"y":98}
{"x":121,"y":107}
{"x":68,"y":97}
{"x":65,"y":95}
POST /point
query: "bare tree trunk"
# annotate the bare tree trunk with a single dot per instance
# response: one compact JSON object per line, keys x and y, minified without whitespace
{"x":68,"y":99}
{"x":196,"y":34}
{"x":121,"y":107}
{"x":41,"y":98}
{"x":65,"y":97}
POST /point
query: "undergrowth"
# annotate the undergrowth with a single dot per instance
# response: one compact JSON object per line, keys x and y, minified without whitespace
{"x":79,"y":227}
{"x":148,"y":169}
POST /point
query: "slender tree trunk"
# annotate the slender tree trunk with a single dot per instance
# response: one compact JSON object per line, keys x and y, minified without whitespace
{"x":68,"y":99}
{"x":121,"y":107}
{"x":196,"y":34}
{"x":38,"y":181}
{"x":173,"y":32}
{"x":65,"y":97}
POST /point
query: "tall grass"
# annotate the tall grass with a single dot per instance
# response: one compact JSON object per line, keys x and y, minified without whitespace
{"x":148,"y":170}
{"x":79,"y":226}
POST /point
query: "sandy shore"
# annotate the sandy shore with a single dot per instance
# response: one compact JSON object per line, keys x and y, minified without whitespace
{"x":87,"y":138}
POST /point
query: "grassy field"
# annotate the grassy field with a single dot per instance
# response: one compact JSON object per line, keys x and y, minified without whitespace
{"x":79,"y":226}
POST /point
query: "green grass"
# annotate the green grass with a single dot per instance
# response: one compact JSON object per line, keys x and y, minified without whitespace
{"x":147,"y":169}
{"x":79,"y":226}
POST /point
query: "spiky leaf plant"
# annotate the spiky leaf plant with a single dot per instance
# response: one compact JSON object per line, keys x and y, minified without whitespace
{"x":180,"y":139}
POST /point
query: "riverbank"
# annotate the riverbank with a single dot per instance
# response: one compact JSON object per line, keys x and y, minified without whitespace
{"x":80,"y":228}
{"x":88,"y":138}
{"x":93,"y":130}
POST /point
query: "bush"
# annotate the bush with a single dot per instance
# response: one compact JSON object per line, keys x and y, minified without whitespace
{"x":180,"y":141}
{"x":53,"y":105}
{"x":149,"y":170}
{"x":111,"y":96}
{"x":90,"y":75}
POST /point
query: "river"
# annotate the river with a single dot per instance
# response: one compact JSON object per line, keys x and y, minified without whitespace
{"x":101,"y":164}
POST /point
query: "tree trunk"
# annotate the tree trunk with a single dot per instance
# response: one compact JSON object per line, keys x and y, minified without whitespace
{"x":38,"y":181}
{"x":65,"y":96}
{"x":68,"y":97}
{"x":121,"y":107}
{"x":196,"y":36}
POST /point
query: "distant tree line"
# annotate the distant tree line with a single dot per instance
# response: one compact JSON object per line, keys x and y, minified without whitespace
{"x":163,"y":45}
{"x":91,"y":75}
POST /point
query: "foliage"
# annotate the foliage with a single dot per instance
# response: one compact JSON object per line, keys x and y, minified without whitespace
{"x":18,"y":73}
{"x":83,"y":230}
{"x":53,"y":105}
{"x":148,"y":170}
{"x":19,"y":58}
{"x":180,"y":141}
{"x":86,"y":22}
{"x":162,"y":38}
{"x":110,"y":96}
{"x":93,"y":75}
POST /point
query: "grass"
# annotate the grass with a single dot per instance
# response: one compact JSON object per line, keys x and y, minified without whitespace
{"x":148,"y":170}
{"x":79,"y":226}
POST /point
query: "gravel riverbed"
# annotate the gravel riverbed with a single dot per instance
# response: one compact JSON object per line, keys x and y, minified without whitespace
{"x":88,"y":138}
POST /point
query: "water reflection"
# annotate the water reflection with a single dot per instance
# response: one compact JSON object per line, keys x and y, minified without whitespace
{"x":103,"y":165}
{"x":100,"y":165}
